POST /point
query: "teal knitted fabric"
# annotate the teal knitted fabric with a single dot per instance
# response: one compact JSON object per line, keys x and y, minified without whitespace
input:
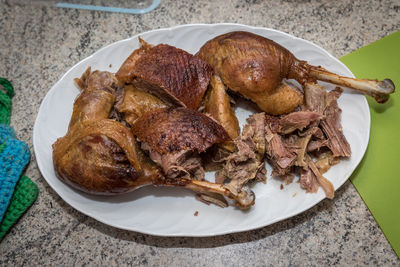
{"x":14,"y":155}
{"x":13,"y":159}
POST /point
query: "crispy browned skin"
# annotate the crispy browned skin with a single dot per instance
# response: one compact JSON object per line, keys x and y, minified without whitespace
{"x":218,"y":106}
{"x":125,"y":73}
{"x":254,"y":67}
{"x":175,"y":129}
{"x":282,"y":100}
{"x":98,"y":155}
{"x":170,"y":73}
{"x":135,"y":103}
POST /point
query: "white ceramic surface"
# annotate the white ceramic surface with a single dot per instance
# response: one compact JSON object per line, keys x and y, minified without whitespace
{"x":170,"y":211}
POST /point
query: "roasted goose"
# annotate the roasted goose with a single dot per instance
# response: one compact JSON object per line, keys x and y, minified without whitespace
{"x":255,"y":66}
{"x":155,"y":95}
{"x":101,"y":156}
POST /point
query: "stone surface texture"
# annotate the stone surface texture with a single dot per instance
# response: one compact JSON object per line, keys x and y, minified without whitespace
{"x":40,"y":42}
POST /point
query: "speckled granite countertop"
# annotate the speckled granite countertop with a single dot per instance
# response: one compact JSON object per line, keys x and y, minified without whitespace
{"x":40,"y":42}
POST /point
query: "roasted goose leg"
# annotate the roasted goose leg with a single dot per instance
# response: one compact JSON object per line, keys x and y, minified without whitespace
{"x":254,"y":66}
{"x":97,"y":155}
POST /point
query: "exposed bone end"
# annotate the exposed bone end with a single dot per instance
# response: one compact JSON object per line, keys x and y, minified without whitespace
{"x":245,"y":198}
{"x":386,"y":87}
{"x":380,"y":90}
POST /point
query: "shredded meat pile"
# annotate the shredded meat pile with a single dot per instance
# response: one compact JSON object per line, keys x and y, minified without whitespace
{"x":295,"y":139}
{"x":247,"y":162}
{"x":306,"y":142}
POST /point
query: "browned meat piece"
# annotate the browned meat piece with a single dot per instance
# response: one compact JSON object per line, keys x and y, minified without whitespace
{"x":217,"y":105}
{"x":214,"y":158}
{"x":326,"y":103}
{"x":316,"y":145}
{"x":184,"y":164}
{"x":176,"y":129}
{"x":246,"y":163}
{"x":135,"y":103}
{"x":297,"y":121}
{"x":322,"y":181}
{"x":168,"y":72}
{"x":332,"y":128}
{"x":284,"y":99}
{"x":126,"y":72}
{"x":280,"y":157}
{"x":325,"y":161}
{"x":287,"y":143}
{"x":256,"y":130}
{"x":298,"y":145}
{"x":96,"y":98}
{"x":242,"y":166}
{"x":315,"y":97}
{"x":291,"y":137}
{"x":311,"y":178}
{"x":314,"y":130}
{"x":254,"y":66}
{"x":308,"y":181}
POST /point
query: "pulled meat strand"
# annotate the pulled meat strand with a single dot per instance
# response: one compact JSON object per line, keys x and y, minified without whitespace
{"x":308,"y":181}
{"x":322,"y":181}
{"x":280,"y":157}
{"x":332,"y":128}
{"x":297,"y":121}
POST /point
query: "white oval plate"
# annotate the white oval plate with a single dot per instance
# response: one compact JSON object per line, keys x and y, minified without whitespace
{"x":170,"y":211}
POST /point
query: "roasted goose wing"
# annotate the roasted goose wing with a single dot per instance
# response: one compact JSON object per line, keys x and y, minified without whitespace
{"x":254,"y":66}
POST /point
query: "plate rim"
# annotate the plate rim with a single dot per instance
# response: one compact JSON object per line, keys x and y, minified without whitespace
{"x":40,"y":163}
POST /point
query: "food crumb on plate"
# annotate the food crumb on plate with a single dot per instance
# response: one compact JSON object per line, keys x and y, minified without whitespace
{"x":196,"y":213}
{"x":295,"y":194}
{"x":281,"y":186}
{"x":110,"y":65}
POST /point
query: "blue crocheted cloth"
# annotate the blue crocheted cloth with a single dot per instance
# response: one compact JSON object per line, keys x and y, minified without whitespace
{"x":13,"y":158}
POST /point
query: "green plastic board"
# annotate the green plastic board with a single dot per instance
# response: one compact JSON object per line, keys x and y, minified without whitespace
{"x":377,"y":178}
